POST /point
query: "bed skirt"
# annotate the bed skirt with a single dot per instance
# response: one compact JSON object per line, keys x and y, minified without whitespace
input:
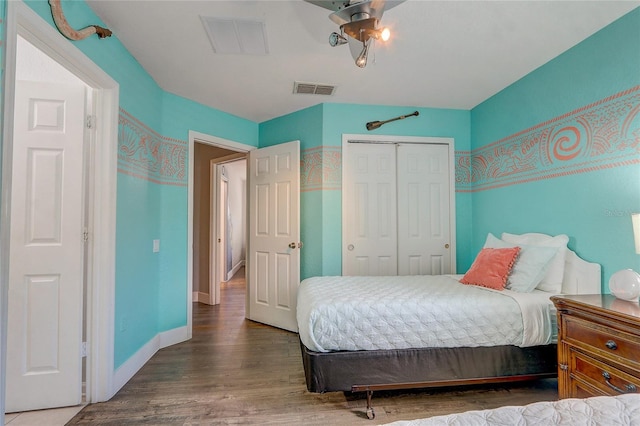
{"x":428,"y":367}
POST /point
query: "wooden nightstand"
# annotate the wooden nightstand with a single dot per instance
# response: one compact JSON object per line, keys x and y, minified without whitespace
{"x":598,"y":345}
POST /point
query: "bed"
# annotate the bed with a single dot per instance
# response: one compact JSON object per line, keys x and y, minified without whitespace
{"x":598,"y":410}
{"x":363,"y":334}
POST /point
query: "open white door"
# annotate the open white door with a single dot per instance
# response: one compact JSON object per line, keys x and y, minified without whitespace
{"x":44,"y":338}
{"x":274,"y":234}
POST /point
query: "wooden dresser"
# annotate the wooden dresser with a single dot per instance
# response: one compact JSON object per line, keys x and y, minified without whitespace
{"x":598,"y":345}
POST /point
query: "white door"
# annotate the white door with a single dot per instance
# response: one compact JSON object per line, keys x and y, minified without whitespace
{"x":274,"y":234}
{"x":370,"y":220}
{"x":423,"y":209}
{"x":44,"y":367}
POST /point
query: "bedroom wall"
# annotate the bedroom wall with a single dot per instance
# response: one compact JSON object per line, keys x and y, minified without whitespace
{"x":320,"y":131}
{"x":559,"y":150}
{"x":152,"y":186}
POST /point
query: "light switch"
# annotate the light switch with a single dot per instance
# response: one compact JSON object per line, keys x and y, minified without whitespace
{"x":156,"y":246}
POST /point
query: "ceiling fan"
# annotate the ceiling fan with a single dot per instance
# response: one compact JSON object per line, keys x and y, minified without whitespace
{"x":359,"y":24}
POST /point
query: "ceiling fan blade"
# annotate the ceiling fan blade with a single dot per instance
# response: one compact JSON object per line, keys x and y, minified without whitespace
{"x":330,"y":5}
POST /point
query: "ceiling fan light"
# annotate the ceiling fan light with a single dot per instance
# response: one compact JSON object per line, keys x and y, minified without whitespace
{"x":385,"y":34}
{"x":336,"y":39}
{"x":361,"y":60}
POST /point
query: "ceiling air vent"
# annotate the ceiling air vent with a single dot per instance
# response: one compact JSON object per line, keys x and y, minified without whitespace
{"x":313,"y":89}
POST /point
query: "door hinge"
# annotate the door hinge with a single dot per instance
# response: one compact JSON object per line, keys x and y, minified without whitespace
{"x":563,"y":367}
{"x":85,"y":235}
{"x":90,"y":122}
{"x":83,"y":350}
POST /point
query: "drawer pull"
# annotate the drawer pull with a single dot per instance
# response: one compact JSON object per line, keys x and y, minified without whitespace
{"x":630,"y":388}
{"x":611,"y":345}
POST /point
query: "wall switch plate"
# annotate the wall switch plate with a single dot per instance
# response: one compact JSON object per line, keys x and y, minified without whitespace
{"x":156,"y":246}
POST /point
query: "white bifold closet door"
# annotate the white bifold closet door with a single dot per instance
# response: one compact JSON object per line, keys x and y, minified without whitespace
{"x":396,"y":209}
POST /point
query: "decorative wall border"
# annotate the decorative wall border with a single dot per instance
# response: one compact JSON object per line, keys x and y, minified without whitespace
{"x":601,"y":135}
{"x":321,"y":169}
{"x":145,"y":154}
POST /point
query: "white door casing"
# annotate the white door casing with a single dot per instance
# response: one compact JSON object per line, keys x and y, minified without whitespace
{"x":44,"y":367}
{"x":274,"y":234}
{"x":21,"y":19}
{"x":423,"y":209}
{"x":398,"y":205}
{"x":370,"y":231}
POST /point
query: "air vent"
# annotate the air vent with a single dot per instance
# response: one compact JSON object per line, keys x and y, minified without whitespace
{"x":236,"y":36}
{"x":313,"y":89}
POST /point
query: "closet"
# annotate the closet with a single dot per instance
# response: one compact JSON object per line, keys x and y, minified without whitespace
{"x":398,"y":206}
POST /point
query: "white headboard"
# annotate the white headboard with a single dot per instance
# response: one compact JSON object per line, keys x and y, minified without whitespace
{"x":580,"y":276}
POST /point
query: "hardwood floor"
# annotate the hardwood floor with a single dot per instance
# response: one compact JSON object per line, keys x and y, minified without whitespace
{"x":235,"y":371}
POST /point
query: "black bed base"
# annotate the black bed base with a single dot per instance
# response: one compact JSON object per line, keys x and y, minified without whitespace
{"x":360,"y":371}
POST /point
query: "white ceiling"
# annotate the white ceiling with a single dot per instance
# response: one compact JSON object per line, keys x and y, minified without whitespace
{"x":443,"y":54}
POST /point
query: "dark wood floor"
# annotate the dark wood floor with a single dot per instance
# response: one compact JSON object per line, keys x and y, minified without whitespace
{"x":235,"y":371}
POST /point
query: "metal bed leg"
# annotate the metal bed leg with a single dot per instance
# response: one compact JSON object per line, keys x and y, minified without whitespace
{"x":370,"y":413}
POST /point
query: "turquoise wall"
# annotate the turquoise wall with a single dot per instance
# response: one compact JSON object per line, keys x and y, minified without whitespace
{"x":320,"y":129}
{"x":151,"y":288}
{"x":506,"y":177}
{"x":306,"y":126}
{"x":557,"y":151}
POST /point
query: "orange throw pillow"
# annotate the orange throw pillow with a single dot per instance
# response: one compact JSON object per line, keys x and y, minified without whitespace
{"x":491,"y":267}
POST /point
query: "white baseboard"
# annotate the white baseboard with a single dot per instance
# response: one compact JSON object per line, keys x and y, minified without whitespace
{"x":126,"y":371}
{"x":198,"y":296}
{"x":235,"y":269}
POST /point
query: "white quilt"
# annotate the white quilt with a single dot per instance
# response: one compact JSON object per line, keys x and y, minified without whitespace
{"x":599,"y":410}
{"x":368,"y":313}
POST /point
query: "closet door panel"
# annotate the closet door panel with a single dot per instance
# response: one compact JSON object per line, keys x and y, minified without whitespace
{"x":370,"y":234}
{"x":423,"y":209}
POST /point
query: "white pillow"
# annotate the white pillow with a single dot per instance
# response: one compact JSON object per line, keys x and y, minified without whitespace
{"x":552,"y":281}
{"x":530,"y":267}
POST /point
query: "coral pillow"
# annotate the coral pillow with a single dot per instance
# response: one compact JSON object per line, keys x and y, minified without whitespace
{"x":491,"y":267}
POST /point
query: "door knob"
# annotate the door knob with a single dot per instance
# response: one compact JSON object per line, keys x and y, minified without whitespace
{"x":292,"y":245}
{"x":446,"y":246}
{"x":350,"y":247}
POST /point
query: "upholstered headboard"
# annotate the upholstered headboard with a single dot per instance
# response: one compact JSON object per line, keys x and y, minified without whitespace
{"x":580,"y":276}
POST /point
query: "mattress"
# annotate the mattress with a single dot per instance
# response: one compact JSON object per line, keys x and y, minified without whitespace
{"x":400,"y":312}
{"x":598,"y":410}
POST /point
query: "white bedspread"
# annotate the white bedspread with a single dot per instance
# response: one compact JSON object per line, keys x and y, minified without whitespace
{"x":598,"y":410}
{"x":368,"y":313}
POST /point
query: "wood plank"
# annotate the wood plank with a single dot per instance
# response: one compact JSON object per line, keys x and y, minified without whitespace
{"x":236,"y":371}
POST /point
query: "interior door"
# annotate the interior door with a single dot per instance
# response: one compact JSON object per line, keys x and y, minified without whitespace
{"x":423,"y":209}
{"x":44,"y":368}
{"x":274,"y":234}
{"x":370,"y":232}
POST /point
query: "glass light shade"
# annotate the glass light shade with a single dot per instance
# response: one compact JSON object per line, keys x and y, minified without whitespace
{"x":625,"y":284}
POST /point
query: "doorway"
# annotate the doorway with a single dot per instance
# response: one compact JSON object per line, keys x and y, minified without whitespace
{"x":202,"y":217}
{"x":216,"y":181}
{"x":100,"y":203}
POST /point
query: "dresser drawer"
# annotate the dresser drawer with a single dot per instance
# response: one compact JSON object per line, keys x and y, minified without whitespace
{"x":608,"y":342}
{"x":605,"y":378}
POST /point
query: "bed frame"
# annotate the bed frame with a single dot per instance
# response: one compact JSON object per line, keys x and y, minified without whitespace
{"x":369,"y":371}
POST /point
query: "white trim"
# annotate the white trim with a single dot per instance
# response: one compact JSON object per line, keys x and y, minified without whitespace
{"x":22,"y":20}
{"x":201,"y":297}
{"x":393,"y":139}
{"x":209,"y":140}
{"x":131,"y":366}
{"x":235,"y":269}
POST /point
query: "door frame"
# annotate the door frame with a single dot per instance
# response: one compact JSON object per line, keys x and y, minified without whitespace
{"x":395,"y":139}
{"x":213,"y":141}
{"x":22,"y":20}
